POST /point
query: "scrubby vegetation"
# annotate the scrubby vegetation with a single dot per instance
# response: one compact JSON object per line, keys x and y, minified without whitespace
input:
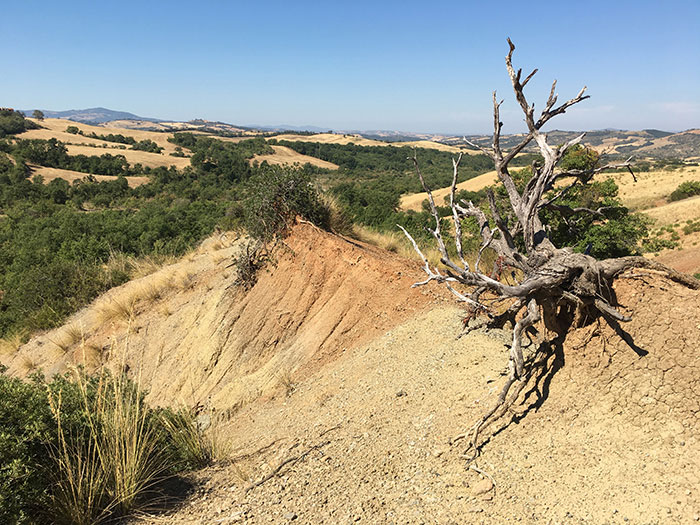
{"x":82,"y":450}
{"x":147,"y":145}
{"x":685,"y":190}
{"x":59,"y":241}
{"x":13,"y":122}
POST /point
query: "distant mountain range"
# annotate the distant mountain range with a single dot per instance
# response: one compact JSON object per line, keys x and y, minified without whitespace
{"x":92,"y":115}
{"x":648,"y":142}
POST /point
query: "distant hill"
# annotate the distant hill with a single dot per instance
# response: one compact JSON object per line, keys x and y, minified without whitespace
{"x":617,"y":143}
{"x":92,"y":115}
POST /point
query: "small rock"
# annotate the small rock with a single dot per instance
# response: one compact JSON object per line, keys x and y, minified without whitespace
{"x":438,"y":452}
{"x":290,"y":516}
{"x":482,"y":487}
{"x":401,"y":393}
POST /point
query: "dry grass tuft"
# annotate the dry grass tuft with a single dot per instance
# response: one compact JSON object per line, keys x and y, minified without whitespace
{"x":395,"y":242}
{"x":218,"y":258}
{"x":91,"y":354}
{"x":11,"y":343}
{"x":103,"y":472}
{"x":152,"y":292}
{"x":118,"y":309}
{"x":68,"y":336}
{"x":201,"y":437}
{"x":287,"y":383}
{"x":137,"y":267}
{"x":166,"y":311}
{"x":29,"y":364}
{"x":185,"y":281}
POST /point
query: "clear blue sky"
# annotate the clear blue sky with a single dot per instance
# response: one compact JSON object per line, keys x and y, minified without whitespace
{"x":404,"y":65}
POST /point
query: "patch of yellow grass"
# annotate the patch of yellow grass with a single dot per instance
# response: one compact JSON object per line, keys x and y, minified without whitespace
{"x":117,"y":309}
{"x":675,"y":212}
{"x":153,"y":290}
{"x":652,"y":187}
{"x":136,"y":267}
{"x":50,"y":174}
{"x":67,"y":337}
{"x":145,"y":158}
{"x":185,"y":281}
{"x":395,"y":242}
{"x":11,"y":343}
{"x":414,"y":201}
{"x":288,"y":157}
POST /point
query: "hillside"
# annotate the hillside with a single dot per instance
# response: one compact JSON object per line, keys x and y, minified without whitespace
{"x":334,"y":371}
{"x":91,"y":115}
{"x":608,"y":437}
{"x":321,"y":298}
{"x":619,"y":143}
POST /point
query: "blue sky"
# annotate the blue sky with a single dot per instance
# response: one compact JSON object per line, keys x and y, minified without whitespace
{"x":411,"y":66}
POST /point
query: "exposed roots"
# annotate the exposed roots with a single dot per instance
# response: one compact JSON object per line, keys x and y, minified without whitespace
{"x":556,"y":285}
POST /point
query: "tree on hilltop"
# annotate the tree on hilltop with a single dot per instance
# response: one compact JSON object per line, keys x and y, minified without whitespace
{"x":546,"y":283}
{"x":38,"y":114}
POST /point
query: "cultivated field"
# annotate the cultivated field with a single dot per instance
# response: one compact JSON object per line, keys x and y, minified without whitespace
{"x":414,"y":201}
{"x":50,"y":174}
{"x":332,"y":138}
{"x":56,"y":128}
{"x":287,"y":156}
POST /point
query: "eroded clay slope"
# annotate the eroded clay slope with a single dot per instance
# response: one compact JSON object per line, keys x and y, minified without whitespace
{"x":196,"y":337}
{"x":607,"y":436}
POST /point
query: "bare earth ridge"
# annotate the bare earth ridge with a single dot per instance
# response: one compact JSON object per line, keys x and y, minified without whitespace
{"x":343,"y":387}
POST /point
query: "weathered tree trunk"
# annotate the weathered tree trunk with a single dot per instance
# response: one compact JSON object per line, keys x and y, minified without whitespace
{"x":557,"y":285}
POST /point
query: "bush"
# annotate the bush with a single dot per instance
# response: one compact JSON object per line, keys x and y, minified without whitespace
{"x":686,"y":189}
{"x":147,"y":145}
{"x":275,"y":197}
{"x":83,"y":449}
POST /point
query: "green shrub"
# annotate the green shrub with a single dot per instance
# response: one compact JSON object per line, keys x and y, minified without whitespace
{"x":685,"y":189}
{"x":82,"y":449}
{"x":275,"y":197}
{"x":26,"y":430}
{"x":656,"y":244}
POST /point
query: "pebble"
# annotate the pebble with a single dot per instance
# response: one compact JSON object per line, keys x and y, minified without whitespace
{"x":290,"y":516}
{"x":482,"y":487}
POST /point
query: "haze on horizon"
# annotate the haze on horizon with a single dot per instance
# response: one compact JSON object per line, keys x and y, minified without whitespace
{"x":407,"y":66}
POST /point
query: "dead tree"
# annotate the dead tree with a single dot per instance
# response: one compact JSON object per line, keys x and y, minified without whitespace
{"x":556,"y":285}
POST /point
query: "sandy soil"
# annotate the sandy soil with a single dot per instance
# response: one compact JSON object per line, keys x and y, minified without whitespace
{"x":321,"y":298}
{"x":287,"y":156}
{"x":608,"y":437}
{"x":50,"y":174}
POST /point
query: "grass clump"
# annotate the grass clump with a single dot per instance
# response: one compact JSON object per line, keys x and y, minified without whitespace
{"x":85,"y":449}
